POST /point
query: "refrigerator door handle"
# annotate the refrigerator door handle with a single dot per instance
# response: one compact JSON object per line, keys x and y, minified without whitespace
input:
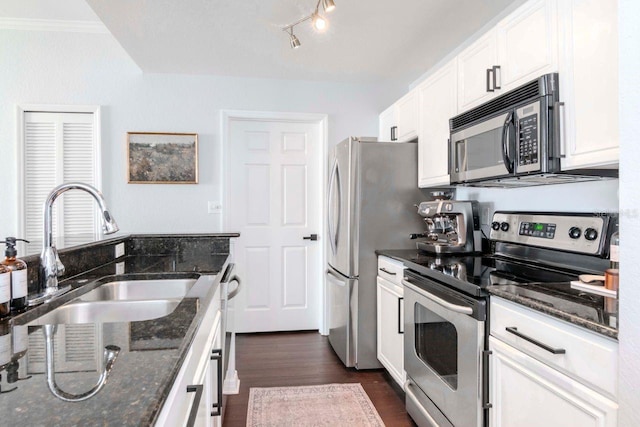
{"x":334,"y":228}
{"x":330,"y":205}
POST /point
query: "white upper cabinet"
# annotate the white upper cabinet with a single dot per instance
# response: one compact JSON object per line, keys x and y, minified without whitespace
{"x":527,"y":44}
{"x":475,"y":71}
{"x":399,"y":123}
{"x":589,"y":82}
{"x":437,"y":104}
{"x":388,"y":124}
{"x":520,"y":48}
{"x":407,"y":117}
{"x":576,"y":38}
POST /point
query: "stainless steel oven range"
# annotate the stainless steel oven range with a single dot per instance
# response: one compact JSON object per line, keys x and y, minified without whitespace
{"x":446,"y":303}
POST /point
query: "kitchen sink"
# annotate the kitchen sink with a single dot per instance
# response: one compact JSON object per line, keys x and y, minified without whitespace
{"x":108,"y":311}
{"x":134,"y":290}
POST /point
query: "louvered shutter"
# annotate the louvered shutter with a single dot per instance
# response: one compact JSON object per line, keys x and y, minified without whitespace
{"x":40,"y":171}
{"x":59,"y":147}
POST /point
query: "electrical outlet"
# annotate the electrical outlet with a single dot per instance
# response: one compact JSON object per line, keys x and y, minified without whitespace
{"x":214,"y":207}
{"x":120,"y":268}
{"x":485,"y":217}
{"x":119,"y":250}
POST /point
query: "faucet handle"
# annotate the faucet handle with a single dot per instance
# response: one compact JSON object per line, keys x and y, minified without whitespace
{"x":59,"y":264}
{"x":51,"y":263}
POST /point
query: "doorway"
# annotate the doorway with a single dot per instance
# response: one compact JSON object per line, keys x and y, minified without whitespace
{"x":274,"y":189}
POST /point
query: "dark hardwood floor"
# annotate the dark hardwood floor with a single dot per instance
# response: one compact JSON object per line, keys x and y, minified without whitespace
{"x":305,"y":358}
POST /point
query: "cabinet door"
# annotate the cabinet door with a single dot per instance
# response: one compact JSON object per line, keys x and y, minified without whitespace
{"x":589,"y":82}
{"x":386,"y":121}
{"x":407,"y":108}
{"x":437,"y":104}
{"x":390,"y":329}
{"x":527,"y":44}
{"x":527,"y":393}
{"x":473,"y":63}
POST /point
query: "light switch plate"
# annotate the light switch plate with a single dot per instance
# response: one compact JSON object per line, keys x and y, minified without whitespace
{"x":119,"y":250}
{"x":214,"y":207}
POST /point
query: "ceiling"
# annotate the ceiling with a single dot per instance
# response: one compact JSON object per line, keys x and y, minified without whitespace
{"x":367,"y":40}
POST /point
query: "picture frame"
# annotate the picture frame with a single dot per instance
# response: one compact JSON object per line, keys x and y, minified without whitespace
{"x":162,"y":158}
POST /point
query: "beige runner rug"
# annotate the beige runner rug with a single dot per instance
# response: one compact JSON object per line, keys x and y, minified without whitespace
{"x":319,"y":405}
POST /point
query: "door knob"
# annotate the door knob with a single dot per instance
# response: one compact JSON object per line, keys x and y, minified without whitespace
{"x":311,"y":237}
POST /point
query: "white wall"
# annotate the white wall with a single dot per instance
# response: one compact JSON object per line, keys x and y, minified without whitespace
{"x":74,"y":68}
{"x":629,"y":336}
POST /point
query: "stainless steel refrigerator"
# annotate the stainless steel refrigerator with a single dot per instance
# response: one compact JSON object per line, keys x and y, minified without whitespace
{"x":373,"y":187}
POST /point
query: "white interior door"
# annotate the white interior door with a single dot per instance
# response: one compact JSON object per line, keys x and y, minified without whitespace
{"x":275,"y":193}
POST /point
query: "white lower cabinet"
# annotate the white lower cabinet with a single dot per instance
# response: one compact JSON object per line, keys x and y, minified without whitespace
{"x":528,"y":393}
{"x":547,"y":372}
{"x":390,"y":318}
{"x":194,"y":395}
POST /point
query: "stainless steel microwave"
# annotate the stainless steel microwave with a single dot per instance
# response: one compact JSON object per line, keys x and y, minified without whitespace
{"x":509,"y":137}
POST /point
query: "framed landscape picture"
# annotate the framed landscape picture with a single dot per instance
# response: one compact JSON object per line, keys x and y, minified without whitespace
{"x":162,"y":158}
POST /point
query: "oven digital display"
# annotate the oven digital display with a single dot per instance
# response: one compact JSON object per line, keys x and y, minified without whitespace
{"x":538,"y":229}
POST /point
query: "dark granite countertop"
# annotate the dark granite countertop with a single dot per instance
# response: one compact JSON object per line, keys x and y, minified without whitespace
{"x":596,"y":313}
{"x":555,"y":298}
{"x":151,"y":355}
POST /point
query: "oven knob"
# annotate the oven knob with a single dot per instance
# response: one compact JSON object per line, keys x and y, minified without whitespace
{"x":495,"y":225}
{"x":575,"y":232}
{"x":504,"y":226}
{"x":590,"y":234}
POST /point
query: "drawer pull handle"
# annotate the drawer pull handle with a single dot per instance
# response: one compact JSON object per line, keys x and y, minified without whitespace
{"x":513,"y":330}
{"x":193,"y":413}
{"x":384,"y":270}
{"x":216,"y":408}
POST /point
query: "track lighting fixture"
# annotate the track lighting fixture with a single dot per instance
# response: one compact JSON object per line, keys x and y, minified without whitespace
{"x":328,"y":5}
{"x":293,"y":40}
{"x":318,"y":21}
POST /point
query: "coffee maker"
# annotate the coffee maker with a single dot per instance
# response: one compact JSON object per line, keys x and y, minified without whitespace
{"x":453,"y":226}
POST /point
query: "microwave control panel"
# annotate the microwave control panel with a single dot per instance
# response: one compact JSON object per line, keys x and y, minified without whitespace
{"x":528,"y":140}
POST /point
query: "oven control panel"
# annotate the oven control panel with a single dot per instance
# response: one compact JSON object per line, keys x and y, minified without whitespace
{"x":582,"y":233}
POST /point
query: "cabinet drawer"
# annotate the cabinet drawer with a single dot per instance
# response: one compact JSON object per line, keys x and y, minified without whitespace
{"x":390,"y":269}
{"x":590,"y":358}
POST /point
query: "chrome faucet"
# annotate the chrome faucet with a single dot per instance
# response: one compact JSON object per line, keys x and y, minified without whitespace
{"x":50,"y":264}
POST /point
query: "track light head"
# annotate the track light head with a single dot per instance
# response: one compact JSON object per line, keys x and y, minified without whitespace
{"x":328,"y":5}
{"x":319,"y":23}
{"x":293,"y":41}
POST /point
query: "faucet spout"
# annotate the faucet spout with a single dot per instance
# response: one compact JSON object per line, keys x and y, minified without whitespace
{"x":108,"y":359}
{"x":50,"y":264}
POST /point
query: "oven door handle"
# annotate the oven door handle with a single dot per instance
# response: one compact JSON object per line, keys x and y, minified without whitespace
{"x":446,"y":304}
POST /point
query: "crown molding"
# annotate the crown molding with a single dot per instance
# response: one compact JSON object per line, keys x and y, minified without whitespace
{"x":26,"y":24}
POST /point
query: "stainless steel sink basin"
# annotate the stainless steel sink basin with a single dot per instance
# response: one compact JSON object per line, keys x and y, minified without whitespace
{"x":108,"y":311}
{"x":133,"y":290}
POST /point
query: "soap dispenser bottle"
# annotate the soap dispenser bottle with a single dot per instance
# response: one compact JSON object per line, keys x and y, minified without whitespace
{"x":19,"y":279}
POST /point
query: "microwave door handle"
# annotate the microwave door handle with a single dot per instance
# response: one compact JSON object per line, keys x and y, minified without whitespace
{"x":506,"y":143}
{"x":558,"y":130}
